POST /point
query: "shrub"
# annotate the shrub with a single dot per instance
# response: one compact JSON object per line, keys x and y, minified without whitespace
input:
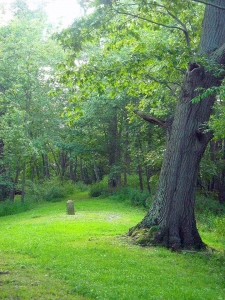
{"x":9,"y":208}
{"x":220,"y":227}
{"x":51,"y":190}
{"x":134,"y":196}
{"x":34,"y":192}
{"x":80,"y":186}
{"x":54,"y":193}
{"x":209,"y":205}
{"x":96,"y":189}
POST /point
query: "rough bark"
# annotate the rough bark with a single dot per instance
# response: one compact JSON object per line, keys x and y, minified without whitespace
{"x":171,"y":220}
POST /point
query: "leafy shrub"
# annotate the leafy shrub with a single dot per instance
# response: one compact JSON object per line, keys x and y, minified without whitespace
{"x":34,"y":192}
{"x":51,"y":190}
{"x":210,"y":205}
{"x":133,"y":181}
{"x":96,"y":189}
{"x":220,"y":227}
{"x":9,"y":208}
{"x":54,"y":193}
{"x":134,"y":196}
{"x":137,"y":197}
{"x":80,"y":186}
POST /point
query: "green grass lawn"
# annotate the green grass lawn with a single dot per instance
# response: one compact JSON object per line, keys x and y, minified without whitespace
{"x":46,"y":254}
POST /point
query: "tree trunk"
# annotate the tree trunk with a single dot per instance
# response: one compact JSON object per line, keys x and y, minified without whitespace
{"x":73,"y":169}
{"x":3,"y":187}
{"x":139,"y":170}
{"x":114,"y":153}
{"x":23,"y":182}
{"x":171,"y":220}
{"x":148,"y":176}
{"x":64,"y":163}
{"x":14,"y":182}
{"x":45,"y":165}
{"x":96,"y":170}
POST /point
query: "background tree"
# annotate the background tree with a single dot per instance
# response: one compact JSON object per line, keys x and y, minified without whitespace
{"x":31,"y":120}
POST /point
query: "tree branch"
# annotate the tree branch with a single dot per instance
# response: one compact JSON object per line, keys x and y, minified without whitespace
{"x":148,"y":20}
{"x":185,"y":31}
{"x":209,"y":3}
{"x":149,"y":118}
{"x":182,"y":28}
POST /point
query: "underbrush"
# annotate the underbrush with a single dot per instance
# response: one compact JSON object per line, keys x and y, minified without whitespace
{"x":133,"y":197}
{"x":53,"y":190}
{"x":49,"y":191}
{"x":209,"y":205}
{"x":130,"y":193}
{"x":16,"y":207}
{"x":210,"y":215}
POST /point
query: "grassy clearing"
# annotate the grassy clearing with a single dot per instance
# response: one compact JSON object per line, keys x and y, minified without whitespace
{"x":47,"y":254}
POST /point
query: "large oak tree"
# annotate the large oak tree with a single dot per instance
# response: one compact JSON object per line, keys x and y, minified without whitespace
{"x":171,"y":220}
{"x":172,"y":214}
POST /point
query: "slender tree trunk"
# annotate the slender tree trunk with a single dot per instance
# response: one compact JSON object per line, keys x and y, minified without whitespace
{"x":96,"y":170}
{"x":114,"y":153}
{"x":73,"y":169}
{"x":140,"y":175}
{"x":23,"y":183}
{"x":3,"y":188}
{"x":14,"y":183}
{"x":63,"y":162}
{"x":148,"y":176}
{"x":171,"y":220}
{"x":45,"y":164}
{"x":127,"y":158}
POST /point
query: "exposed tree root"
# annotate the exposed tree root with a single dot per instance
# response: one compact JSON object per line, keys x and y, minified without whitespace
{"x":153,"y":236}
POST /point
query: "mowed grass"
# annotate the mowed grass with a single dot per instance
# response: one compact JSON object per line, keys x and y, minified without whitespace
{"x":46,"y":254}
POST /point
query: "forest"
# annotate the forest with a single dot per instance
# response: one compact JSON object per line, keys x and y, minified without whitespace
{"x":125,"y":104}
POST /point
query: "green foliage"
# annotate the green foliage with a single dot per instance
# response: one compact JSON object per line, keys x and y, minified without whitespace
{"x":98,"y":189}
{"x":133,"y":196}
{"x":9,"y":208}
{"x":53,"y":190}
{"x":209,"y":205}
{"x":31,"y":125}
{"x":122,"y":59}
{"x":219,"y":226}
{"x":53,"y":193}
{"x":217,"y":120}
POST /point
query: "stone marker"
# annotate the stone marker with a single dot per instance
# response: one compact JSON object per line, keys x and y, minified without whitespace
{"x":70,"y":207}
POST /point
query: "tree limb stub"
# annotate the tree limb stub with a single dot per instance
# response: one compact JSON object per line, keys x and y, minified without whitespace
{"x":150,"y":119}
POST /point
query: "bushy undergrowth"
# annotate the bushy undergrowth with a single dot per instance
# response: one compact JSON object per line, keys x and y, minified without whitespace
{"x":11,"y":208}
{"x":130,"y":193}
{"x":210,"y":215}
{"x":209,"y":205}
{"x":133,"y":196}
{"x":50,"y":191}
{"x":97,"y":189}
{"x":53,"y":190}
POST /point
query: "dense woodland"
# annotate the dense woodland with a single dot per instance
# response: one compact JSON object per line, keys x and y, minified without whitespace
{"x":72,"y":103}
